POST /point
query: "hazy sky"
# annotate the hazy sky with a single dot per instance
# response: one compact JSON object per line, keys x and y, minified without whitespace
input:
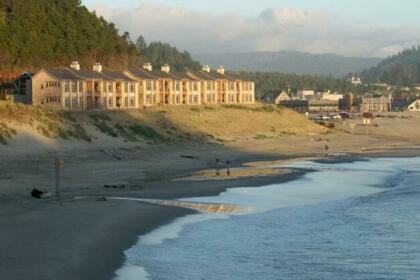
{"x":347,"y":27}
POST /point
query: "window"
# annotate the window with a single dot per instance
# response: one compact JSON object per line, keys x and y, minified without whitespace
{"x":80,"y":86}
{"x":109,"y":87}
{"x":52,"y":100}
{"x":132,"y":102}
{"x":66,"y":87}
{"x":177,"y":85}
{"x":126,"y":102}
{"x":67,"y":102}
{"x":195,"y":86}
{"x":73,"y":87}
{"x":74,"y":102}
{"x":126,"y":87}
{"x":148,"y":85}
{"x":81,"y":103}
{"x":132,"y":88}
{"x":110,"y":102}
{"x":208,"y":85}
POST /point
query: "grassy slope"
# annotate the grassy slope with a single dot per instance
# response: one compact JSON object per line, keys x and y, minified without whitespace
{"x":156,"y":125}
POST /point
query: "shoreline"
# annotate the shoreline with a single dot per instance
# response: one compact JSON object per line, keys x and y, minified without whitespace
{"x":93,"y":235}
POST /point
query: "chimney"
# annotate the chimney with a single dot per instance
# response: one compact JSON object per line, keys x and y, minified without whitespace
{"x":148,"y":66}
{"x":221,"y":70}
{"x":97,"y":67}
{"x":206,"y":68}
{"x":165,"y":68}
{"x":75,"y":65}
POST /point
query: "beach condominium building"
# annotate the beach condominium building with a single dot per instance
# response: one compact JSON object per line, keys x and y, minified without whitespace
{"x":97,"y":89}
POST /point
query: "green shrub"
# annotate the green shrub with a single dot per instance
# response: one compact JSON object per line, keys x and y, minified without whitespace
{"x":146,"y":132}
{"x":100,"y":117}
{"x":106,"y":129}
{"x":79,"y":132}
{"x":126,"y":133}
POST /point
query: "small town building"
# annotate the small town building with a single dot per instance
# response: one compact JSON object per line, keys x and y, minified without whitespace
{"x":305,"y":94}
{"x":415,"y":106}
{"x":328,"y":96}
{"x":355,"y":80}
{"x":323,"y":106}
{"x":283,"y":96}
{"x":376,"y":104}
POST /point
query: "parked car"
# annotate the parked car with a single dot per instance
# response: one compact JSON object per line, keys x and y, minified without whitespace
{"x":368,"y":115}
{"x":336,"y":117}
{"x":345,"y":115}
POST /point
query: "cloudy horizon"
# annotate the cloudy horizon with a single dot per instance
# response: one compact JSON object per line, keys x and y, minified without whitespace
{"x":314,"y":31}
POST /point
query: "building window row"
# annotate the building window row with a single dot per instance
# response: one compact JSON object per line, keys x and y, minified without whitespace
{"x":74,"y":102}
{"x":52,"y":84}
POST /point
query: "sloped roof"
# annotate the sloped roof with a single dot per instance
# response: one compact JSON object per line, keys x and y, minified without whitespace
{"x":91,"y":75}
{"x":201,"y":75}
{"x":117,"y":76}
{"x":63,"y":74}
{"x":235,"y":76}
{"x":163,"y":75}
{"x":141,"y":73}
{"x":182,"y":76}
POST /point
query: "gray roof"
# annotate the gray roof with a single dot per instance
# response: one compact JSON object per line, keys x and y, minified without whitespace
{"x":141,"y":73}
{"x":201,"y":75}
{"x":63,"y":73}
{"x":91,"y":75}
{"x":163,"y":75}
{"x":117,"y":76}
{"x":235,"y":76}
{"x":182,"y":76}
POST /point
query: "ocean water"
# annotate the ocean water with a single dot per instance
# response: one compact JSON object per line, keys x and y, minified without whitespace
{"x":356,"y":220}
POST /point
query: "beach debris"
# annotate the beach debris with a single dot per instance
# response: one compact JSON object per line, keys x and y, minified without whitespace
{"x":40,"y":194}
{"x":117,"y":185}
{"x":189,"y":157}
{"x":116,"y":157}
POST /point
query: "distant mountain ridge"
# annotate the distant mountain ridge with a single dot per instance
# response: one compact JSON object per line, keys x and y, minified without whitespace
{"x":290,"y":62}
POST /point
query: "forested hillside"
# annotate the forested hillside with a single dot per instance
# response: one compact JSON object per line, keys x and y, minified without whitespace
{"x":402,"y":69}
{"x":158,"y":53}
{"x":52,"y":32}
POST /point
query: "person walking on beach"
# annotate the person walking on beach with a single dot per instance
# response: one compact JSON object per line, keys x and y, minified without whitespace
{"x":228,"y":167}
{"x":218,"y":166}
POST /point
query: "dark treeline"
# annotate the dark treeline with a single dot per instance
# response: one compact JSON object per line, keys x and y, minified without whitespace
{"x":402,"y":69}
{"x":268,"y":84}
{"x":55,"y":32}
{"x":158,"y":53}
{"x":39,"y":33}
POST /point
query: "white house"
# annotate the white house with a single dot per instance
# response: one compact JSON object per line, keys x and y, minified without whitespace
{"x":415,"y":106}
{"x":283,"y":96}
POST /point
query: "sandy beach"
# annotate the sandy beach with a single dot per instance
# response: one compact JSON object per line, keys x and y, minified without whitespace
{"x":46,"y":239}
